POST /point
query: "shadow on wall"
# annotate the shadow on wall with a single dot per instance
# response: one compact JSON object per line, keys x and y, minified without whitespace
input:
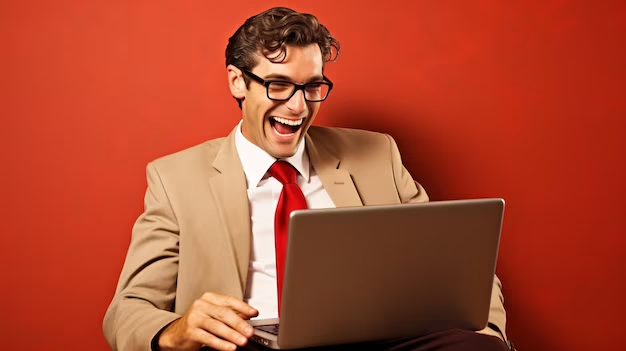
{"x":417,"y":148}
{"x":424,"y":150}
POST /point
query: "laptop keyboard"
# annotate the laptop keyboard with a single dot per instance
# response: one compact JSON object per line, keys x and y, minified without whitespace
{"x":270,"y":328}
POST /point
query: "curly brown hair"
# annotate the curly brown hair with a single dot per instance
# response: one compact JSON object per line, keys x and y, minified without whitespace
{"x":271,"y":31}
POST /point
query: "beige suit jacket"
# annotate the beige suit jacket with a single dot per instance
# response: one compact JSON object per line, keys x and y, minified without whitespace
{"x":194,"y":235}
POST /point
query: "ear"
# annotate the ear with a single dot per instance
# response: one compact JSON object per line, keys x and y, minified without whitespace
{"x":236,"y":82}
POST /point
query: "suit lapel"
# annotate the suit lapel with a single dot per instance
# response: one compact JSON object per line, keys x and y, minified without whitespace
{"x":229,"y":188}
{"x":337,"y":182}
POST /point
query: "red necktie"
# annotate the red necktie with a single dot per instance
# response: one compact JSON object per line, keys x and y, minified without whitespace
{"x":291,"y":198}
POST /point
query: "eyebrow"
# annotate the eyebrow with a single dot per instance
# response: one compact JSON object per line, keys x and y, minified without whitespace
{"x":284,"y":77}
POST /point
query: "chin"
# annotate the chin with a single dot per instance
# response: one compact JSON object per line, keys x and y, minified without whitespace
{"x":283,"y":152}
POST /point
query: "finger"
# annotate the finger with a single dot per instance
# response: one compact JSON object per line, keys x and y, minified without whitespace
{"x":225,"y":332}
{"x":239,"y":306}
{"x":232,"y":302}
{"x":231,"y":319}
{"x":212,"y":341}
{"x":243,"y":316}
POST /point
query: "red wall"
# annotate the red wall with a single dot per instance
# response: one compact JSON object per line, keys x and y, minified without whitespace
{"x":522,"y":100}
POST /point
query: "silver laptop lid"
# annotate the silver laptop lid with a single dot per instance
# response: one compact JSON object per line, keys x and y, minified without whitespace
{"x":380,"y":272}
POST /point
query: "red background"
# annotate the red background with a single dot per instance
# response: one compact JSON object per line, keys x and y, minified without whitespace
{"x":522,"y":100}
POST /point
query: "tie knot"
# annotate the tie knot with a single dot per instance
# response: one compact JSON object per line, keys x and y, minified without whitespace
{"x":283,"y":172}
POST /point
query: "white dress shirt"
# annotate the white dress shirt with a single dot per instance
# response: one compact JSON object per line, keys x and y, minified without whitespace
{"x":263,"y":193}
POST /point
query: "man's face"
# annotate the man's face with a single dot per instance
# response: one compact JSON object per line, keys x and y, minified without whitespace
{"x":262,"y":117}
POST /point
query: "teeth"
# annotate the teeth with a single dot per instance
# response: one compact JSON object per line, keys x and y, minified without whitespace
{"x":289,"y":122}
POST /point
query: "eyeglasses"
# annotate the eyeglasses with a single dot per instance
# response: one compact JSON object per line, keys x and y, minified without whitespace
{"x":282,"y":90}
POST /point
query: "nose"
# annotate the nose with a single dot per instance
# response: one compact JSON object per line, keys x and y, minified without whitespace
{"x":297,"y":104}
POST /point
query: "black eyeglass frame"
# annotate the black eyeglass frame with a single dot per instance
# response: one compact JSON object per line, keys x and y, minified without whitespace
{"x":266,"y":84}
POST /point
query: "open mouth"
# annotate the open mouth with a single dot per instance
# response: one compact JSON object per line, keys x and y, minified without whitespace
{"x":285,"y":127}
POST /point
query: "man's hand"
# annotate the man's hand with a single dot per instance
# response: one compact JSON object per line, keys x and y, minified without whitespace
{"x":214,"y":320}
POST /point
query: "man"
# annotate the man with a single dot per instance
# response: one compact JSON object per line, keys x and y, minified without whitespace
{"x":204,"y":256}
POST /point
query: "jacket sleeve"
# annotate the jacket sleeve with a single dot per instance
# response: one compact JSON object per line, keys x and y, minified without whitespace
{"x":412,"y":192}
{"x":147,"y":285}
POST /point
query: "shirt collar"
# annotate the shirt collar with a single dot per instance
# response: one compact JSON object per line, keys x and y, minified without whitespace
{"x":256,"y":161}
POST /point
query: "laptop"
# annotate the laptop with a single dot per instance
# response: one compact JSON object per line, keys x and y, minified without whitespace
{"x":362,"y":274}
